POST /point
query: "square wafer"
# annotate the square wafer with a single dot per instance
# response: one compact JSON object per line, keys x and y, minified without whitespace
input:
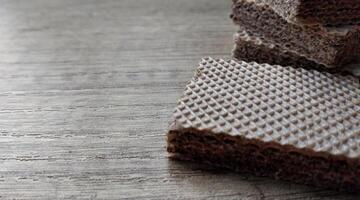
{"x":283,"y":122}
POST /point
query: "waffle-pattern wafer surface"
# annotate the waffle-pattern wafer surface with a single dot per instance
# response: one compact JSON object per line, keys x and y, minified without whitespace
{"x":297,"y":108}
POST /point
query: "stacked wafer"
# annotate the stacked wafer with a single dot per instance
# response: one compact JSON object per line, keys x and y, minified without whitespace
{"x":323,"y":34}
{"x":280,"y":108}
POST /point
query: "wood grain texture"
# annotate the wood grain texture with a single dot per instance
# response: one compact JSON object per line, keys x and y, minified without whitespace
{"x":86,"y":91}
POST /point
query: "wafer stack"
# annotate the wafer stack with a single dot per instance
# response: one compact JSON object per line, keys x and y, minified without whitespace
{"x":288,"y":105}
{"x":283,"y":122}
{"x":323,"y":34}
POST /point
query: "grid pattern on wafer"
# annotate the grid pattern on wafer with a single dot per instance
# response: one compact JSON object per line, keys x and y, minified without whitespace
{"x":288,"y":106}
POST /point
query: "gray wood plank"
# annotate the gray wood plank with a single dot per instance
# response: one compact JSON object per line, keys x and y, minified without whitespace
{"x":86,"y":91}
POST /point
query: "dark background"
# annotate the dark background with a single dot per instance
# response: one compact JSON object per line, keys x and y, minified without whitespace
{"x":86,"y":92}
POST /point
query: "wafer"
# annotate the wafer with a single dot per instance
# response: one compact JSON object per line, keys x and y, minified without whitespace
{"x":283,"y":122}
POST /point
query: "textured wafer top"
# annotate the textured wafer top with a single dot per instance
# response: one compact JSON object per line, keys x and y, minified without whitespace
{"x":304,"y":109}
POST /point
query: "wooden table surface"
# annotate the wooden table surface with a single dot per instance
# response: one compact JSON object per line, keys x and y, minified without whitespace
{"x":86,"y":91}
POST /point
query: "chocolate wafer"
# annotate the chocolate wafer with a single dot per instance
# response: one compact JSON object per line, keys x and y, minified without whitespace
{"x":283,"y":122}
{"x":330,"y":47}
{"x":333,"y":13}
{"x":251,"y":48}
